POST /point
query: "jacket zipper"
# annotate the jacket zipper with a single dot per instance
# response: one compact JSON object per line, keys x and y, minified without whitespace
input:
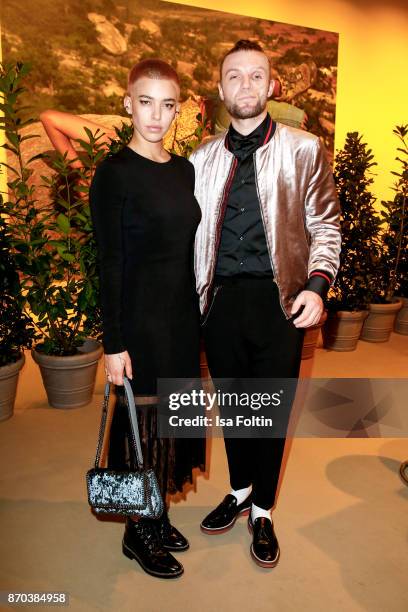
{"x":221,"y":213}
{"x":207,"y":314}
{"x":266,"y":237}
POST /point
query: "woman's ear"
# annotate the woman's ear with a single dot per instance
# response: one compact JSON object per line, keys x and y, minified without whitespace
{"x":127,"y":103}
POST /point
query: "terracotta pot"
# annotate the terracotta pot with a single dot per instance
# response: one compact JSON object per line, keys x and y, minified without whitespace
{"x":311,"y":336}
{"x":401,"y":320}
{"x":8,"y":387}
{"x":342,"y":329}
{"x":404,"y":471}
{"x":69,"y":381}
{"x":380,"y":321}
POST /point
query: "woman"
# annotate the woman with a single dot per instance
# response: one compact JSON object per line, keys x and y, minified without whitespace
{"x":145,"y":218}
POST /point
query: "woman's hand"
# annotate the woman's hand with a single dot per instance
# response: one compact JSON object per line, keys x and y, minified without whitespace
{"x":114,"y":366}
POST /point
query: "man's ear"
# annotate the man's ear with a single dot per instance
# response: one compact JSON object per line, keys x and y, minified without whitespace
{"x":220,"y":91}
{"x":271,"y":87}
{"x":127,"y":103}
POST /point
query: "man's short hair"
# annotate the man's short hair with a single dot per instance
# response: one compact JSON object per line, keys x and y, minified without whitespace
{"x":243,"y":45}
{"x":154,"y":69}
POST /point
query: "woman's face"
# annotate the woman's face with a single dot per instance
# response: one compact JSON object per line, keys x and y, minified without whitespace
{"x":153,"y":104}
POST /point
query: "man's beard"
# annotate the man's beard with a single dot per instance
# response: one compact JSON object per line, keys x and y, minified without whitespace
{"x":246,"y":113}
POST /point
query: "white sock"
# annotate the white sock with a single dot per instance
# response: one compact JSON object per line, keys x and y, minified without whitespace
{"x":241,"y":494}
{"x":256,"y":512}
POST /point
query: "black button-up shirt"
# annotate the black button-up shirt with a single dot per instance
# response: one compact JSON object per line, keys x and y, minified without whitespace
{"x":243,"y":248}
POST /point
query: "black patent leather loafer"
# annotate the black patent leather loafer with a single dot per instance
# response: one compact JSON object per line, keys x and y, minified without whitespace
{"x":223,"y":517}
{"x":264,"y":548}
{"x":141,"y":542}
{"x":171,"y":537}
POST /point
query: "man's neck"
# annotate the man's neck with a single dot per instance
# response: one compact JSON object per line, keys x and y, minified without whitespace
{"x":246,"y":126}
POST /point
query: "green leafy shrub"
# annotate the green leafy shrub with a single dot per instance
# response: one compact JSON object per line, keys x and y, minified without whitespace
{"x":16,"y":330}
{"x":358,"y":278}
{"x":395,"y":235}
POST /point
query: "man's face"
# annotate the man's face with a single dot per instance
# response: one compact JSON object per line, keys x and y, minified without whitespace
{"x":245,"y":84}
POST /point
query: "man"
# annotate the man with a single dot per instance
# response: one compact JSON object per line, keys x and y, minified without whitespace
{"x":267,"y":251}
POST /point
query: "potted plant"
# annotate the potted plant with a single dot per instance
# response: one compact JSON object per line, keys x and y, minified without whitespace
{"x":401,"y":320}
{"x":16,"y":332}
{"x":54,"y":251}
{"x":396,"y":236}
{"x":385,"y":305}
{"x":361,"y":248}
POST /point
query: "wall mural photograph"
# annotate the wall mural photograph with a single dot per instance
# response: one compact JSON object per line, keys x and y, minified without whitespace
{"x":81,"y":52}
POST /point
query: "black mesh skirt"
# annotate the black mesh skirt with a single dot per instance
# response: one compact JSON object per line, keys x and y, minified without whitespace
{"x":172,"y":459}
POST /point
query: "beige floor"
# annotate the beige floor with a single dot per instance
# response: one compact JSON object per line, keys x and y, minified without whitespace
{"x":340,"y":518}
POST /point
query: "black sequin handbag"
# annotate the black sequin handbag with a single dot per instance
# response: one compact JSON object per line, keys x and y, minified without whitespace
{"x":123,"y":492}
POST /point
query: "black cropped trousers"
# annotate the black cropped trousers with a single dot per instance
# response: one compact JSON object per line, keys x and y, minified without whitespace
{"x":247,"y":335}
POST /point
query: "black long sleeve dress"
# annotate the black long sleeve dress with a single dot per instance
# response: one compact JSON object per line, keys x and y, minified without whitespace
{"x":145,"y":217}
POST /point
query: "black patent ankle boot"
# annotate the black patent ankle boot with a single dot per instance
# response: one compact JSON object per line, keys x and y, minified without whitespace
{"x":142,"y":542}
{"x":171,"y":538}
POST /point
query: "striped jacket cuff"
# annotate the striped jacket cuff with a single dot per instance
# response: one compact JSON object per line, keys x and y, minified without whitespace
{"x":319,"y":281}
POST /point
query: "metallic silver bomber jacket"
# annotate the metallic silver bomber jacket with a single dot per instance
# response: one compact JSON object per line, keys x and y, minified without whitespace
{"x":299,"y":208}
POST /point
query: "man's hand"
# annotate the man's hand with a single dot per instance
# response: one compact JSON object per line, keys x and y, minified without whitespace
{"x":313,"y":308}
{"x":114,"y":366}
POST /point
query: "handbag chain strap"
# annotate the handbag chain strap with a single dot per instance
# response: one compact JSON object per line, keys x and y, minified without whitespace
{"x":133,"y":422}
